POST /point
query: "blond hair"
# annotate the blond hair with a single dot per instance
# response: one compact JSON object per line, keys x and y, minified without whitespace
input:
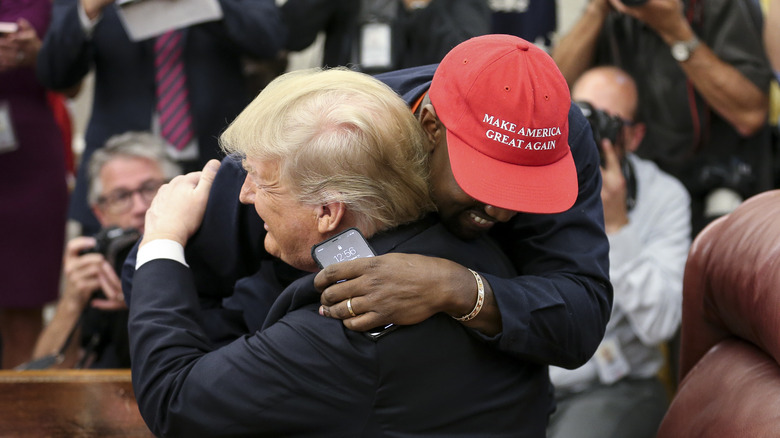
{"x":339,"y":136}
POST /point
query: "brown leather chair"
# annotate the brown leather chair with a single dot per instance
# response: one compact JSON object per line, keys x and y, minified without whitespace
{"x":730,"y":339}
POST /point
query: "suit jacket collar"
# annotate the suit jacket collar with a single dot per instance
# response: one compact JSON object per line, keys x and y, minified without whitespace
{"x":302,"y":292}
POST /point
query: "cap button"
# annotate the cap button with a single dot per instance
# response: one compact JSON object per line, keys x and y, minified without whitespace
{"x":523,"y":46}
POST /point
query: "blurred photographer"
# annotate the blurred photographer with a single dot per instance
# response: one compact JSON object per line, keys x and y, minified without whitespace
{"x":703,"y":81}
{"x":89,"y":327}
{"x":617,"y":393}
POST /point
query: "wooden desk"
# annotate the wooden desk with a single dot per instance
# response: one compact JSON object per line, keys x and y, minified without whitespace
{"x":69,"y":403}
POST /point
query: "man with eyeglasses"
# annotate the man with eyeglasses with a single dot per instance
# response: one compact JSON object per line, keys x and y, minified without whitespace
{"x":124,"y":178}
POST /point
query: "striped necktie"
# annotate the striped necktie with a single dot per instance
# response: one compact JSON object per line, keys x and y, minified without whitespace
{"x":173,"y":104}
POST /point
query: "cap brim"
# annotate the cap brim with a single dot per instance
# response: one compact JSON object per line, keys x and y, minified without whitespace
{"x":550,"y":188}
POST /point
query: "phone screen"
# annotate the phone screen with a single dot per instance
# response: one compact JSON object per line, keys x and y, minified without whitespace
{"x":347,"y":245}
{"x":8,"y":27}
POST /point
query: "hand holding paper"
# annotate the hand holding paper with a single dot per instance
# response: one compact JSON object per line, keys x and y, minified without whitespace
{"x":145,"y":19}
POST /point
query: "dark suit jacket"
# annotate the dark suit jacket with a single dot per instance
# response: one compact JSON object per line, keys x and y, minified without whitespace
{"x":124,"y":74}
{"x":306,"y":375}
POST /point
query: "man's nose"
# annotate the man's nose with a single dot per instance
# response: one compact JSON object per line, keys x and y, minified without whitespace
{"x":139,"y":202}
{"x":499,"y":214}
{"x":246,"y":195}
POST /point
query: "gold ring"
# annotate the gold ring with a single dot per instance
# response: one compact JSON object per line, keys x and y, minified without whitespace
{"x":349,"y":307}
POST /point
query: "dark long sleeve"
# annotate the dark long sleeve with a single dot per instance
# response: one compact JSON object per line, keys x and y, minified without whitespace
{"x":261,"y":385}
{"x":307,"y":18}
{"x":66,"y":54}
{"x":307,"y":375}
{"x":555,"y":312}
{"x":433,"y":31}
{"x":254,"y":26}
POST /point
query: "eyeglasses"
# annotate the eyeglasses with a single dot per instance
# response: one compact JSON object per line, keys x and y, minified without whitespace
{"x":121,"y":200}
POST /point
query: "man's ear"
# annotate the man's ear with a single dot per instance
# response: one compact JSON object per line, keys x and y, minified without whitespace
{"x":637,"y":134}
{"x":330,"y":216}
{"x":431,"y":125}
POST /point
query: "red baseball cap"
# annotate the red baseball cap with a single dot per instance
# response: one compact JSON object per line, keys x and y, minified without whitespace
{"x":506,"y":106}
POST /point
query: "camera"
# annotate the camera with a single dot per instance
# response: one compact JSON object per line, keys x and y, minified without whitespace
{"x":114,"y":243}
{"x":602,"y":124}
{"x":732,"y":173}
{"x":633,"y":2}
{"x":610,"y":127}
{"x":725,"y":184}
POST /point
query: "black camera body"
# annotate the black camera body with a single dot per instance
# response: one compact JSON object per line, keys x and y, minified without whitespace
{"x":610,"y":127}
{"x":602,"y":124}
{"x":114,"y":243}
{"x":732,"y":173}
{"x":722,"y":184}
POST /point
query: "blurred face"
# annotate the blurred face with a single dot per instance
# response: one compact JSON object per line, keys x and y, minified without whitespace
{"x":463,"y":215}
{"x":616,"y":95}
{"x":129,"y":184}
{"x":291,"y":227}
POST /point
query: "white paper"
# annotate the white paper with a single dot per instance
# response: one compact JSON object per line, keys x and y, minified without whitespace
{"x":145,"y":19}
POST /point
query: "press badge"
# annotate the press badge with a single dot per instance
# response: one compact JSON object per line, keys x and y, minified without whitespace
{"x":7,"y":138}
{"x":610,"y":361}
{"x":375,"y":46}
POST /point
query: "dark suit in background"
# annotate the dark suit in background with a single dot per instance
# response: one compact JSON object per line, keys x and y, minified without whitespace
{"x":124,"y":97}
{"x":418,"y":37}
{"x":307,"y":375}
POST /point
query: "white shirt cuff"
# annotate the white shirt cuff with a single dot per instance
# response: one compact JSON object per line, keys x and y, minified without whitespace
{"x":86,"y":24}
{"x":160,"y":249}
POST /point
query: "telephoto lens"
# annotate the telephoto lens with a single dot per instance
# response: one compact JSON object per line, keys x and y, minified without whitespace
{"x":634,"y":2}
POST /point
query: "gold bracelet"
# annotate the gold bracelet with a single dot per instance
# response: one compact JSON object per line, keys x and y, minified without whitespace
{"x":480,"y":299}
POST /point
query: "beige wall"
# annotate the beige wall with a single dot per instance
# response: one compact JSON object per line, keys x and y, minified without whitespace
{"x":568,"y":12}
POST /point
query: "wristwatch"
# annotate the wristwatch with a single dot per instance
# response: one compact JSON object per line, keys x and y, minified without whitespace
{"x":681,"y":50}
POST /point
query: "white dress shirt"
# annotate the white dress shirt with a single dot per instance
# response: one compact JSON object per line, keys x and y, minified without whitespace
{"x":647,"y":259}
